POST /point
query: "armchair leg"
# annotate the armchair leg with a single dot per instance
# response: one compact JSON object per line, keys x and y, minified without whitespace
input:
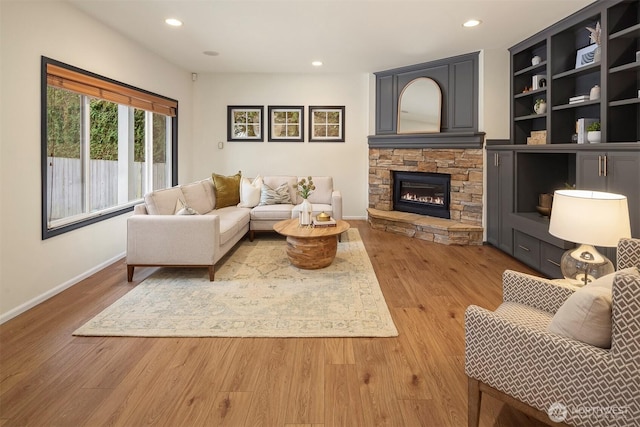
{"x":211,"y":272}
{"x":252,"y":234}
{"x":473,"y":405}
{"x":130,"y":269}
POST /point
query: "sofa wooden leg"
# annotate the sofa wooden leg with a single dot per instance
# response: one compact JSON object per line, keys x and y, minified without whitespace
{"x":211,"y":272}
{"x":473,"y":405}
{"x":130,"y":272}
{"x":251,"y":235}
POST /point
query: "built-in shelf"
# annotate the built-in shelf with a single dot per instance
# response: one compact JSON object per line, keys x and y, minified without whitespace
{"x":621,"y":102}
{"x":575,"y":105}
{"x":529,"y":117}
{"x":630,"y":32}
{"x":591,"y":68}
{"x":626,"y":67}
{"x":531,"y":93}
{"x":532,"y":69}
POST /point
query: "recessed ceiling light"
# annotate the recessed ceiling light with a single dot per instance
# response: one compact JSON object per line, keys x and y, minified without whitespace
{"x":472,"y":23}
{"x":317,"y":63}
{"x":173,"y":22}
{"x":211,"y":53}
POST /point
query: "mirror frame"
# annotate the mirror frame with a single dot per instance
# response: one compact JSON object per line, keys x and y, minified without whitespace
{"x":436,"y":128}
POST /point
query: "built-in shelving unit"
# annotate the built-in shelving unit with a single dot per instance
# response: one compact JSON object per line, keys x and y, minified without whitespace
{"x":612,"y":165}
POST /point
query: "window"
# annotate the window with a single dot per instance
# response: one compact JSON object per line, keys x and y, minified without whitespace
{"x":104,"y":145}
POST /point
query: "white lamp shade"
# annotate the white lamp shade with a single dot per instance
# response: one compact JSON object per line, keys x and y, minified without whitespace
{"x":590,"y":217}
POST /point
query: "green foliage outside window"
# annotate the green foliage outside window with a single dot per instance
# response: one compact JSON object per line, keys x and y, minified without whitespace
{"x":63,"y":122}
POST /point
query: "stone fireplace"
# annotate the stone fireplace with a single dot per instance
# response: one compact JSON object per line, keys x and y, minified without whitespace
{"x":465,"y":168}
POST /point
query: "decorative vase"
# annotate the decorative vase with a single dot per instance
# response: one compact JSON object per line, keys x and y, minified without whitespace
{"x":594,"y":93}
{"x":536,"y":60}
{"x":593,"y":136}
{"x":306,"y":209}
{"x":540,"y":108}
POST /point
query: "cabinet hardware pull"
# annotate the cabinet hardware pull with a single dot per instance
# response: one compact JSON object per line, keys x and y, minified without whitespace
{"x":604,"y":162}
{"x":599,"y":165}
{"x":553,"y":262}
{"x":496,"y":159}
{"x":524,"y":248}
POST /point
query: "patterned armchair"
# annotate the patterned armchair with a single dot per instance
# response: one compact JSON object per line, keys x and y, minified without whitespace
{"x":558,"y":380}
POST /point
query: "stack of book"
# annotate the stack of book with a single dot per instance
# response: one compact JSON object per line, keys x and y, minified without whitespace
{"x":538,"y":137}
{"x":579,"y":98}
{"x":581,"y":129}
{"x":326,"y":223}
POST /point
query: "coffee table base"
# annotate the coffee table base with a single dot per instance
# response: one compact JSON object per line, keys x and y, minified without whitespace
{"x":312,"y":253}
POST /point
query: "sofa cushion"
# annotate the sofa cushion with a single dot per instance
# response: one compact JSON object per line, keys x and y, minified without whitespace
{"x":271,"y":212}
{"x":250,"y":192}
{"x":586,"y":314}
{"x":199,"y":195}
{"x":163,"y":202}
{"x":227,"y":189}
{"x":232,"y":219}
{"x":275,"y":196}
{"x":184,"y":209}
{"x":323,"y":191}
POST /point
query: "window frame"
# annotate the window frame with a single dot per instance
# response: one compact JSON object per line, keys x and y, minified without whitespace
{"x":116,"y":210}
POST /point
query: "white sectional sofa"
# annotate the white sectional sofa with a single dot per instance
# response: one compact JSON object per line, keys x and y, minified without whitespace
{"x":162,"y":233}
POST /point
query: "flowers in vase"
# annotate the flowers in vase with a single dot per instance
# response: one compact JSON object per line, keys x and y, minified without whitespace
{"x":305,"y":187}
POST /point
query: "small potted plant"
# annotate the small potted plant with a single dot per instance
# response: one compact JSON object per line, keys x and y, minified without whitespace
{"x":540,"y":106}
{"x":593,"y":133}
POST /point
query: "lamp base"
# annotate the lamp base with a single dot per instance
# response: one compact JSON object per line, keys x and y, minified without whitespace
{"x":584,"y":264}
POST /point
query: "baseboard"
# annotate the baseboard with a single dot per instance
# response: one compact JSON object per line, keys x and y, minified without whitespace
{"x":52,"y":292}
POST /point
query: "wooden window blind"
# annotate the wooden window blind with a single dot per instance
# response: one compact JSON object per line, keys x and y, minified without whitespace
{"x":95,"y":86}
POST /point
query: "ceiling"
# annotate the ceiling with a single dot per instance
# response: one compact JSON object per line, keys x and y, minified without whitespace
{"x":280,"y":36}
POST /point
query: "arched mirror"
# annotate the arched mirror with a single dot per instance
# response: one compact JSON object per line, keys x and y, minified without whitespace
{"x":420,"y":106}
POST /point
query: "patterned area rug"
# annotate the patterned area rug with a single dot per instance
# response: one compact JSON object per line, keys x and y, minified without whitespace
{"x":257,"y":293}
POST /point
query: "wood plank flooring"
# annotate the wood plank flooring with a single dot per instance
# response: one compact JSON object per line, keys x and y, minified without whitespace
{"x":48,"y":377}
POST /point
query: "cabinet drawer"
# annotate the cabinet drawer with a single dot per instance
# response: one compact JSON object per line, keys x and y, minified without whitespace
{"x":526,"y":249}
{"x":550,"y":260}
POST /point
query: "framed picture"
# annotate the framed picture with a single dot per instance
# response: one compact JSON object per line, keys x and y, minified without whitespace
{"x":244,"y":123}
{"x":326,"y":124}
{"x":286,"y":124}
{"x":586,"y":55}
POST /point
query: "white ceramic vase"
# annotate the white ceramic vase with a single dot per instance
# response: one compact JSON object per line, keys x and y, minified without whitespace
{"x":306,"y":209}
{"x":540,"y":108}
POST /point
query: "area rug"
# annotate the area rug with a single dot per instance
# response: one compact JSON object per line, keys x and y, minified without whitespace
{"x":256,"y":293}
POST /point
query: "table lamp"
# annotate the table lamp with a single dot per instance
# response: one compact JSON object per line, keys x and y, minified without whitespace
{"x":588,"y":218}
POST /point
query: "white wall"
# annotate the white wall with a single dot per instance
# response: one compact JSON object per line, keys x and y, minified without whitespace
{"x":30,"y":268}
{"x":494,"y":93}
{"x":347,"y":162}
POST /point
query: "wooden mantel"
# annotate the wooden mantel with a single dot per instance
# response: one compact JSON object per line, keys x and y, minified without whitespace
{"x":428,"y":140}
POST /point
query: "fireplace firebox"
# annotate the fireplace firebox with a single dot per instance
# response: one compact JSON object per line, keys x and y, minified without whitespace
{"x":422,"y":193}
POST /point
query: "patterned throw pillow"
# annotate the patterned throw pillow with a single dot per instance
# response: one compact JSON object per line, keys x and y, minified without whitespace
{"x":183,"y":209}
{"x":277,"y":196}
{"x":227,"y":189}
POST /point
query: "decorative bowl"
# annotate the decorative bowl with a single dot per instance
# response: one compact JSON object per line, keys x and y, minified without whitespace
{"x":323,"y":217}
{"x":543,"y":211}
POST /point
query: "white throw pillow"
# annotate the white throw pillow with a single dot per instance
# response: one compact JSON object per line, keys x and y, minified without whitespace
{"x":275,"y":196}
{"x":586,"y":315}
{"x":250,"y":192}
{"x":183,"y":209}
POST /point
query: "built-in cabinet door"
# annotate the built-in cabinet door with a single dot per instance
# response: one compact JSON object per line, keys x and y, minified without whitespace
{"x":614,"y":172}
{"x":499,"y":199}
{"x":387,"y":105}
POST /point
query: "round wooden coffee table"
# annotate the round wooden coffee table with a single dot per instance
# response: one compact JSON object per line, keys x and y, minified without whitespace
{"x":310,"y":248}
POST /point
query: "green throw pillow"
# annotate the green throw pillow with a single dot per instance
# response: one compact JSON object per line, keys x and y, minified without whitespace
{"x":227,"y":189}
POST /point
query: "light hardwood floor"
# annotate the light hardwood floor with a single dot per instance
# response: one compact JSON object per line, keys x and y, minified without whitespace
{"x":49,"y":377}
